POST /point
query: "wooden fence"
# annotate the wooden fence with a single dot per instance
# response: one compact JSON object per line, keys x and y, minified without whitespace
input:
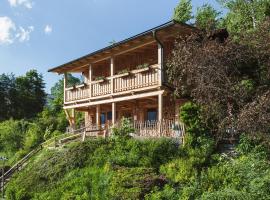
{"x":164,"y":128}
{"x":143,"y":129}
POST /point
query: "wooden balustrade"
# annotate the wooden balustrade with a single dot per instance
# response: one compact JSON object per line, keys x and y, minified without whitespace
{"x":134,"y":80}
{"x":100,"y":88}
{"x":77,"y":93}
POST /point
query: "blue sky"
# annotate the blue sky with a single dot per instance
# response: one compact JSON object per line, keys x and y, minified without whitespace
{"x":41,"y":34}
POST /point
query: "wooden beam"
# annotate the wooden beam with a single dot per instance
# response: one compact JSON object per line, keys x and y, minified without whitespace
{"x":119,"y":99}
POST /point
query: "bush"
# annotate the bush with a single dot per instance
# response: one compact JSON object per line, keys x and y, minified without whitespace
{"x":12,"y":134}
{"x":167,"y":193}
{"x":124,"y":130}
{"x":34,"y":136}
{"x":190,"y":115}
{"x":132,"y":183}
{"x":146,"y":153}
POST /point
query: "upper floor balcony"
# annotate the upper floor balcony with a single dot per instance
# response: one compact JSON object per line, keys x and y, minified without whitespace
{"x":145,"y":77}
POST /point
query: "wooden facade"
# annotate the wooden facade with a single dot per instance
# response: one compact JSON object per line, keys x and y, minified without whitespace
{"x":125,"y":79}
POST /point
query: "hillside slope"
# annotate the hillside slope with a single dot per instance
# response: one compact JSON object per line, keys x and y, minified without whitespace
{"x":150,"y":169}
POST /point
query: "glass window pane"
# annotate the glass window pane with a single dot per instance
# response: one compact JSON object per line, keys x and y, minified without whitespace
{"x":103,"y":118}
{"x":109,"y":115}
{"x":152,"y":115}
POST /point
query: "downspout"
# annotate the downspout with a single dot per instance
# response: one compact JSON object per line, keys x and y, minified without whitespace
{"x":162,"y":56}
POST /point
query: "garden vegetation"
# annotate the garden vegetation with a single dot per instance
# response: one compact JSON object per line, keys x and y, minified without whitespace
{"x":223,"y":70}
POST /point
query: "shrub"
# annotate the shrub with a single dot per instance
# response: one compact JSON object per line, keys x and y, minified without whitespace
{"x":124,"y":129}
{"x":146,"y":153}
{"x":132,"y":183}
{"x":180,"y":170}
{"x":34,"y":136}
{"x":168,"y":192}
{"x":227,"y":194}
{"x":190,"y":115}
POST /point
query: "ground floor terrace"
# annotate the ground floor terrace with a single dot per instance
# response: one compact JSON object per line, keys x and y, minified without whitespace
{"x":152,"y":116}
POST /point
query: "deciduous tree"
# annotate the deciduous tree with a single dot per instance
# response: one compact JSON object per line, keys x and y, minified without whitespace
{"x":183,"y":11}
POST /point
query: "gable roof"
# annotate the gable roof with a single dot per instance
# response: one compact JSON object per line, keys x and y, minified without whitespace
{"x":146,"y":34}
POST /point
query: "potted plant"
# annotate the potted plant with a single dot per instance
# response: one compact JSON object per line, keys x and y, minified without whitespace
{"x":143,"y":67}
{"x":124,"y":72}
{"x":100,"y":78}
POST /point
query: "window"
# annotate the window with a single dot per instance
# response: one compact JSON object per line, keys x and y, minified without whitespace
{"x":109,"y":115}
{"x":103,"y":118}
{"x":151,"y":114}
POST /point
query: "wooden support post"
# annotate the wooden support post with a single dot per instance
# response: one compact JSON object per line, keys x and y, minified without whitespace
{"x":113,"y":113}
{"x":98,"y":116}
{"x":90,"y":80}
{"x":112,"y":73}
{"x":160,"y":113}
{"x":68,"y":117}
{"x":160,"y":107}
{"x":73,"y":119}
{"x":84,"y":135}
{"x":65,"y":86}
{"x":160,"y":63}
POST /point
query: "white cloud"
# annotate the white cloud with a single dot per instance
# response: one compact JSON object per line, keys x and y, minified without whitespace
{"x":26,"y":3}
{"x":24,"y":33}
{"x":48,"y":29}
{"x":7,"y":27}
{"x":10,"y":33}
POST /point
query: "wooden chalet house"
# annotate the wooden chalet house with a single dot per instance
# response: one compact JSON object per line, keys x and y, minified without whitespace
{"x":126,"y":79}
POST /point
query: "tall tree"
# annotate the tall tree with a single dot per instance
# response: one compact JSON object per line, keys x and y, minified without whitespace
{"x":31,"y":96}
{"x":21,"y":97}
{"x":183,"y":11}
{"x":244,"y":15}
{"x":206,"y":17}
{"x":7,"y":96}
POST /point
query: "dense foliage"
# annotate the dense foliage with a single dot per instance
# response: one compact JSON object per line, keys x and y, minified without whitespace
{"x":99,"y":169}
{"x":226,"y":77}
{"x":148,"y":169}
{"x":21,"y":97}
{"x":33,"y":121}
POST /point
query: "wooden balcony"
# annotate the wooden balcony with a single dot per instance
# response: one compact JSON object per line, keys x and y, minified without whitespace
{"x":135,"y":80}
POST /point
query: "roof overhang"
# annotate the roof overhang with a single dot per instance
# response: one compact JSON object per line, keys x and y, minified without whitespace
{"x":169,"y":29}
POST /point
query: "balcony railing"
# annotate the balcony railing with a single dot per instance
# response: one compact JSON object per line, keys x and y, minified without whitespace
{"x":77,"y":93}
{"x":145,"y":78}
